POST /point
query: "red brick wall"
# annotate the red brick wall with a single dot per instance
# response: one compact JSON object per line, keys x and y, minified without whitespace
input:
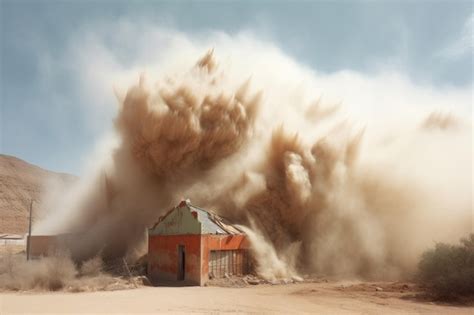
{"x":219,"y":242}
{"x":163,"y":257}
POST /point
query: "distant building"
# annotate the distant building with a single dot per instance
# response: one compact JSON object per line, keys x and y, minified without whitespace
{"x":52,"y":245}
{"x":191,"y":245}
{"x":13,"y":239}
{"x":44,"y":245}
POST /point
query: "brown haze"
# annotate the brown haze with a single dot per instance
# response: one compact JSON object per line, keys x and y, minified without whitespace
{"x":326,"y":198}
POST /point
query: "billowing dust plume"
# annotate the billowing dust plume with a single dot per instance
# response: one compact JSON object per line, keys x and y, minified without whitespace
{"x":317,"y":195}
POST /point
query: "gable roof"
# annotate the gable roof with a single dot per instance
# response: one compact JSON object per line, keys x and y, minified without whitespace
{"x":210,"y":223}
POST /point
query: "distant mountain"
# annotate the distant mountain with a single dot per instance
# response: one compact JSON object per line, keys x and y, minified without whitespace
{"x":21,"y":182}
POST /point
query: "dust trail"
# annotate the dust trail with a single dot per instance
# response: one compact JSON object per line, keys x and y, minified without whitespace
{"x":271,"y":265}
{"x":324,"y":194}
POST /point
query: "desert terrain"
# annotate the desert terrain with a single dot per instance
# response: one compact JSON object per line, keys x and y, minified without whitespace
{"x":21,"y":183}
{"x":247,"y":157}
{"x":222,"y":296}
{"x":300,"y":298}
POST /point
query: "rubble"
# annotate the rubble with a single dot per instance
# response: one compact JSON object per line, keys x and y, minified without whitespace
{"x":230,"y":280}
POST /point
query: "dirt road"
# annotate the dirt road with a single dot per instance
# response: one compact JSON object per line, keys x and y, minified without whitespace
{"x":263,"y":299}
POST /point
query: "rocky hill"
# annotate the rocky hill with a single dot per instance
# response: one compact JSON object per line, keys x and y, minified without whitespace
{"x":21,"y":182}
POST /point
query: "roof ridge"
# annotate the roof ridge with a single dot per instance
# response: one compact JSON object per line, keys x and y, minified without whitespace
{"x":223,"y":224}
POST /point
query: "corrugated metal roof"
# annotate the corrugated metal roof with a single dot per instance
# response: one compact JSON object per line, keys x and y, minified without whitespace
{"x":211,"y":223}
{"x":11,"y":237}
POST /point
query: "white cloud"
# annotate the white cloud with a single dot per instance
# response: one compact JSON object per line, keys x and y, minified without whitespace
{"x":464,"y":44}
{"x":156,"y":51}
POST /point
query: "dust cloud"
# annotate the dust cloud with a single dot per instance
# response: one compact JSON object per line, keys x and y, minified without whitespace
{"x":317,"y":191}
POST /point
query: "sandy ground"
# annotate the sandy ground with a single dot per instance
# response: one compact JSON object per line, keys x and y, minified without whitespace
{"x":302,"y":298}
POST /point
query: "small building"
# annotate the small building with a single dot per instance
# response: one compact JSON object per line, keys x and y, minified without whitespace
{"x":191,"y":245}
{"x":79,"y":246}
{"x":44,"y":245}
{"x":51,"y":245}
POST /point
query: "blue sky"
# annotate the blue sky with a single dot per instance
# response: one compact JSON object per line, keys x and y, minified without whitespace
{"x":43,"y":119}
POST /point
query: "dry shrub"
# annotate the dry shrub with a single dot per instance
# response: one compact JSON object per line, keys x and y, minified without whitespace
{"x":448,"y":270}
{"x":98,"y":282}
{"x":92,"y":267}
{"x":49,"y":273}
{"x":57,"y":272}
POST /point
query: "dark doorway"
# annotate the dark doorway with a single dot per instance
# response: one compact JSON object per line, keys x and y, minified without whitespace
{"x":181,"y":262}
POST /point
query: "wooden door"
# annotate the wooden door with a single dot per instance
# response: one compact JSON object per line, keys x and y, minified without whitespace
{"x":181,"y":262}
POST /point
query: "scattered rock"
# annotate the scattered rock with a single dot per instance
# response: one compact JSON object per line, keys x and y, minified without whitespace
{"x":253,"y":281}
{"x":378,"y":289}
{"x":297,"y":279}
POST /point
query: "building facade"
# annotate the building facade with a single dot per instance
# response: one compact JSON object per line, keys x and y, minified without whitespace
{"x":190,"y":245}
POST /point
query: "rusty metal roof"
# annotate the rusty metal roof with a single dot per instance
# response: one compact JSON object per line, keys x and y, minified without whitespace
{"x":211,"y":223}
